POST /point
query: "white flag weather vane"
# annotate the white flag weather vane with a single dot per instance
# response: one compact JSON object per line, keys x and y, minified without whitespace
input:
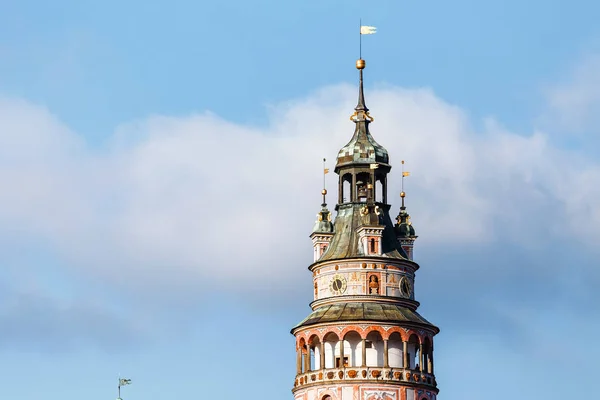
{"x":364,"y":30}
{"x":367,"y":30}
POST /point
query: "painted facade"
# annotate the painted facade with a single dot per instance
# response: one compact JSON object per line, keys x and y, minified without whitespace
{"x":364,"y":339}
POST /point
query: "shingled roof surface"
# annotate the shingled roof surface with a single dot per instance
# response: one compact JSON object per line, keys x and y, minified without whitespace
{"x":345,"y":241}
{"x":362,"y":149}
{"x":367,"y":311}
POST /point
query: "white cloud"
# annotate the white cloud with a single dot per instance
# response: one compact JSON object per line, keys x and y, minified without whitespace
{"x":199,"y":198}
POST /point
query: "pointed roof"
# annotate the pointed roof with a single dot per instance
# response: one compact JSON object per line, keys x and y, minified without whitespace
{"x":404,"y":228}
{"x":323,"y":224}
{"x":362,"y":148}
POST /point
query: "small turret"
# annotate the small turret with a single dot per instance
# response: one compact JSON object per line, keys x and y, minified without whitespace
{"x":323,"y":230}
{"x":405,"y":232}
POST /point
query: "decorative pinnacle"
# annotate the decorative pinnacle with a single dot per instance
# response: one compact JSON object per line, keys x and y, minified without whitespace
{"x":324,"y":191}
{"x":402,"y":193}
{"x":361,"y":112}
{"x":360,"y":65}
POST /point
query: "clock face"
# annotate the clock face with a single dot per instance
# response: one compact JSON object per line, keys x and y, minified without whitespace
{"x":337,"y":284}
{"x":405,"y":287}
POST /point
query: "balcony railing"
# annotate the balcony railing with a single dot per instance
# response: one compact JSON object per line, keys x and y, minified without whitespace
{"x":365,"y":373}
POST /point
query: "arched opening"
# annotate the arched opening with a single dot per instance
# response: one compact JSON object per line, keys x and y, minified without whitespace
{"x":315,"y":353}
{"x":342,"y":354}
{"x":330,"y":341}
{"x":412,"y":350}
{"x":395,"y":350}
{"x":373,"y":245}
{"x":373,"y":284}
{"x":346,"y":188}
{"x":362,"y":181}
{"x":374,"y":349}
{"x":301,"y":357}
{"x":327,"y":397}
{"x":379,"y":191}
{"x":426,"y":356}
{"x":354,"y":347}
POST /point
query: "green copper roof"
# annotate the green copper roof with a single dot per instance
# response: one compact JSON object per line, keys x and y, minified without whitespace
{"x":323,"y":224}
{"x":362,"y":148}
{"x":345,"y":241}
{"x":368,"y":311}
{"x":404,"y":228}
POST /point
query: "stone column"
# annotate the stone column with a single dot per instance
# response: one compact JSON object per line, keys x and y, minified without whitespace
{"x":299,"y":361}
{"x":430,"y":364}
{"x":406,"y":362}
{"x":322,"y":356}
{"x":353,"y":190}
{"x":307,"y":359}
{"x":341,"y":190}
{"x":373,"y":187}
{"x":384,"y":184}
{"x":342,"y":353}
{"x":422,"y":357}
{"x":364,"y":352}
{"x":386,"y":363}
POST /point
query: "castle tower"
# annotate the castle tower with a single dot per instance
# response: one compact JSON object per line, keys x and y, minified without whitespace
{"x":364,"y":339}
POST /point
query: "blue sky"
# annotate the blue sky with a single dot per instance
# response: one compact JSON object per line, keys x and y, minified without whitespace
{"x":160,"y":170}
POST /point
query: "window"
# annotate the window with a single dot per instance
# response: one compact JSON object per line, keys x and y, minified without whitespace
{"x":337,"y":362}
{"x":373,"y":246}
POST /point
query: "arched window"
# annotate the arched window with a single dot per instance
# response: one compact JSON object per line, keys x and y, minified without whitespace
{"x":379,"y":191}
{"x":373,"y":248}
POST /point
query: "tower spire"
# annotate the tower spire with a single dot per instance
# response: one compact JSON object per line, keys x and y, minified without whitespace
{"x":323,"y":229}
{"x":324,"y":191}
{"x":405,"y":232}
{"x":361,"y":106}
{"x":361,"y":112}
{"x":360,"y":65}
{"x":402,"y":194}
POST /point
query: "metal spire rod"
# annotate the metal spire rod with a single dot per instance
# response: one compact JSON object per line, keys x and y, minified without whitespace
{"x":404,"y":175}
{"x":122,"y":382}
{"x":360,"y":39}
{"x":324,"y":191}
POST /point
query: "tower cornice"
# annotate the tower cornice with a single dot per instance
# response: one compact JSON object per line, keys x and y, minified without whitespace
{"x":377,"y":260}
{"x":431,"y":329}
{"x":404,"y":302}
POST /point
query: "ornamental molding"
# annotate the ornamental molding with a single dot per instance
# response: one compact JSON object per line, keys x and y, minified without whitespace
{"x":370,"y":231}
{"x":323,"y":236}
{"x":379,"y":394}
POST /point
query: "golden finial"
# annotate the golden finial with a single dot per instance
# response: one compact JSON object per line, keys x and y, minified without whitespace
{"x":360,"y":64}
{"x":325,"y":172}
{"x":404,"y":175}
